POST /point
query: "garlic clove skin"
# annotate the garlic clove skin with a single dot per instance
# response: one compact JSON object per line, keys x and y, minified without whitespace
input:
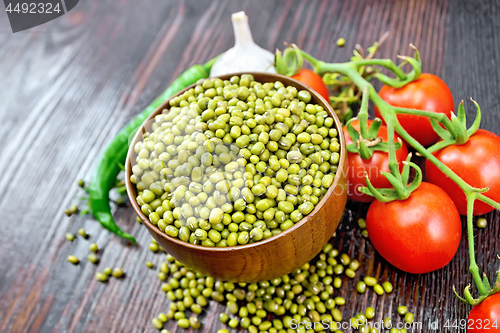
{"x":245,"y":55}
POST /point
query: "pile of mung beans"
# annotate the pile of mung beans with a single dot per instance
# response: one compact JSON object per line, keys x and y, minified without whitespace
{"x":235,"y":161}
{"x":306,"y":295}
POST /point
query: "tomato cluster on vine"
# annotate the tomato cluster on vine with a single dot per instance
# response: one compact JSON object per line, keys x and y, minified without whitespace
{"x":414,"y":224}
{"x":422,"y":233}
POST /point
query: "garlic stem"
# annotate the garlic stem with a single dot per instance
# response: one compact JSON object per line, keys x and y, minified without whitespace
{"x":245,"y":55}
{"x":242,"y":33}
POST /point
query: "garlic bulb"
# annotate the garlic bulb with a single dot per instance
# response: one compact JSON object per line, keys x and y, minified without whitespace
{"x":245,"y":55}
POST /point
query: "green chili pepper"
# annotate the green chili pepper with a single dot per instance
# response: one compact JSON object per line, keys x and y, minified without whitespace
{"x":113,"y":157}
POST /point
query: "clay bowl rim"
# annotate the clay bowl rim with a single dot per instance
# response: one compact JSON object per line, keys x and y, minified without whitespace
{"x":132,"y":191}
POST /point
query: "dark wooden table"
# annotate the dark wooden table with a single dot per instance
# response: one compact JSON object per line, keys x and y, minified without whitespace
{"x":68,"y":86}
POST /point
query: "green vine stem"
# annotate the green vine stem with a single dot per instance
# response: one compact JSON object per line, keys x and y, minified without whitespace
{"x":389,"y":114}
{"x":363,"y":127}
{"x":470,"y":235}
{"x":344,"y":94}
{"x":440,"y":117}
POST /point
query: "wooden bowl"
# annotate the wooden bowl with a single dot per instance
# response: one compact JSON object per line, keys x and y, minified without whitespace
{"x":270,"y":258}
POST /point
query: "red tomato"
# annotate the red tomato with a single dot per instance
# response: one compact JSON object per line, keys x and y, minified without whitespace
{"x":313,"y":80}
{"x":419,"y":234}
{"x":376,"y":164}
{"x":477,"y":162}
{"x":428,"y":93}
{"x":485,"y":317}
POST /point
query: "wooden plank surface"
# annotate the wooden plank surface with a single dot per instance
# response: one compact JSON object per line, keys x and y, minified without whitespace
{"x":67,"y":87}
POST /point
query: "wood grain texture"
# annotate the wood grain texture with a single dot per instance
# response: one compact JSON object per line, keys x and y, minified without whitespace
{"x":67,"y":87}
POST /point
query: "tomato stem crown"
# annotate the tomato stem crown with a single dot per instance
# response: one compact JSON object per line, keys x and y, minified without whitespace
{"x":457,"y":132}
{"x":290,"y":62}
{"x":402,"y":190}
{"x":366,"y":141}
